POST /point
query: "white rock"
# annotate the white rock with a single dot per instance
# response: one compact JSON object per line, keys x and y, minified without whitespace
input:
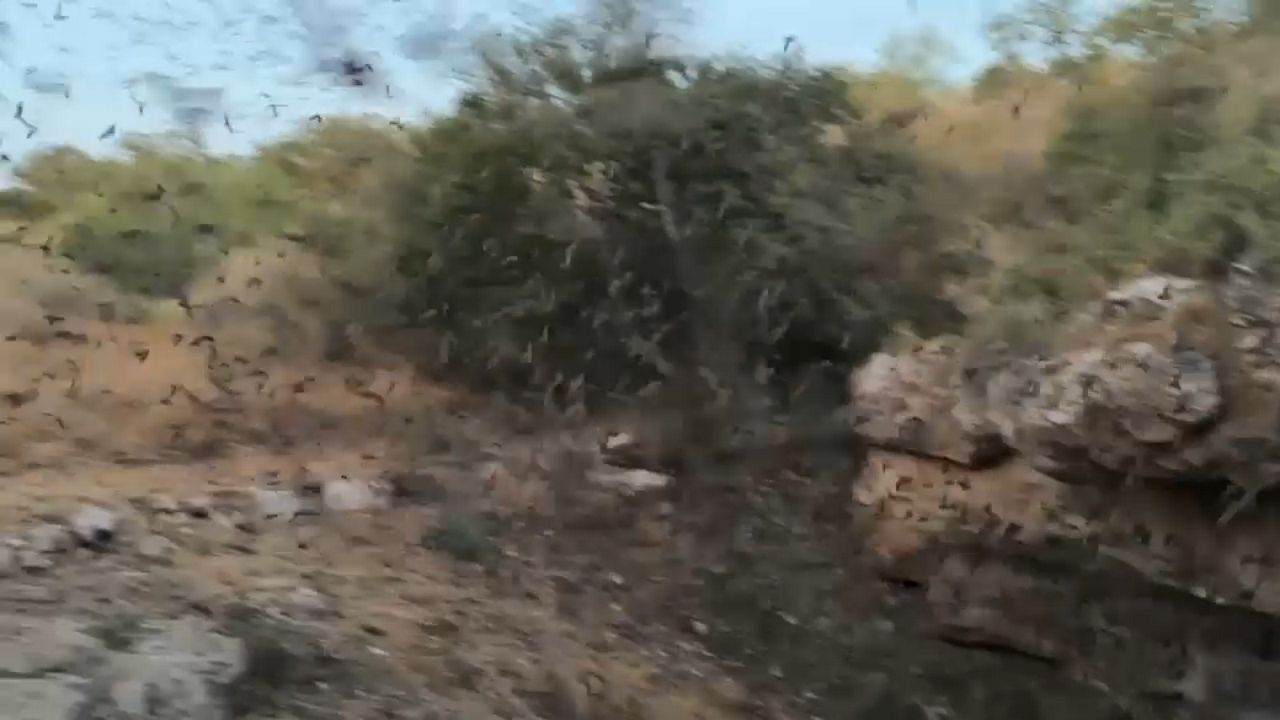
{"x":156,"y":547}
{"x":630,"y":480}
{"x":353,"y":495}
{"x":58,"y":698}
{"x":32,"y":646}
{"x":282,"y":504}
{"x":312,"y":603}
{"x":49,"y":538}
{"x":144,"y":683}
{"x":183,"y":671}
{"x":33,"y":562}
{"x":197,"y":507}
{"x":618,"y":440}
{"x":163,"y":504}
{"x":192,"y":642}
{"x":94,"y":526}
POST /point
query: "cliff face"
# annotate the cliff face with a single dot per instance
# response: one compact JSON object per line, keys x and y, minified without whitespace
{"x":1034,"y":498}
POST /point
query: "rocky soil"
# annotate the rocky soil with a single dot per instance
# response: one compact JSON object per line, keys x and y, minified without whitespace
{"x":203,"y":517}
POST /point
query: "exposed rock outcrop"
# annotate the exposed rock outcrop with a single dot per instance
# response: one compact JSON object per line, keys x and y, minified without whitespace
{"x":52,"y":668}
{"x":1165,"y":379}
{"x":924,"y":403}
{"x":1165,"y":385}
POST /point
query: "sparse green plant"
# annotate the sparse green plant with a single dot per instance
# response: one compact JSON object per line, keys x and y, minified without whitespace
{"x":464,"y":536}
{"x":119,"y":633}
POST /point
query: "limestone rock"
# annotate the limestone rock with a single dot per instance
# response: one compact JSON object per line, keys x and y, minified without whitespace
{"x":49,"y":538}
{"x":54,"y":698}
{"x":630,"y":480}
{"x":1140,"y":391}
{"x":8,"y":561}
{"x":31,"y":646}
{"x":199,"y":506}
{"x":1133,"y":409}
{"x":280,"y":504}
{"x":151,"y":689}
{"x":94,"y":526}
{"x":33,"y":562}
{"x":920,"y":403}
{"x":309,"y":603}
{"x":1148,"y":297}
{"x":161,"y":504}
{"x":346,"y":494}
{"x":182,"y":670}
{"x":156,"y":548}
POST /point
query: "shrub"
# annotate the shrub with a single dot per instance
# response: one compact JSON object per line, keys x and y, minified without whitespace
{"x":144,"y":261}
{"x":1164,"y":172}
{"x":152,"y":220}
{"x":598,"y":216}
{"x":22,"y":204}
{"x":464,"y":536}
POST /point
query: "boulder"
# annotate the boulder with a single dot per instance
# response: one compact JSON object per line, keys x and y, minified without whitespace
{"x":1148,"y":297}
{"x":1164,"y":379}
{"x":1132,"y":410}
{"x":180,"y":670}
{"x":94,"y":526}
{"x":31,"y":647}
{"x":347,"y":494}
{"x":55,"y":698}
{"x":923,"y":402}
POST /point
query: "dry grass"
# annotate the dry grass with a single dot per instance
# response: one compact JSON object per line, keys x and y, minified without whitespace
{"x":995,"y":136}
{"x":78,"y":382}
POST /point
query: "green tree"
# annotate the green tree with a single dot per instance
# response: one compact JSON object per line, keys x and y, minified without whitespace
{"x":1056,"y":28}
{"x":1263,"y":13}
{"x":922,"y":56}
{"x":629,"y":217}
{"x":1156,"y":27}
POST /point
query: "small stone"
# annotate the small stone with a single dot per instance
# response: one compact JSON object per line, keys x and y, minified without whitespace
{"x":1249,"y":342}
{"x":618,"y":440}
{"x":49,"y":538}
{"x":196,"y":507}
{"x":33,"y":562}
{"x":281,"y":504}
{"x":8,"y":562}
{"x":163,"y":504}
{"x":94,"y":526}
{"x":156,"y":548}
{"x":312,"y":603}
{"x":352,"y":495}
{"x":630,"y":480}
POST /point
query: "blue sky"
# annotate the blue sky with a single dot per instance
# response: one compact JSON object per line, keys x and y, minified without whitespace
{"x":238,"y":57}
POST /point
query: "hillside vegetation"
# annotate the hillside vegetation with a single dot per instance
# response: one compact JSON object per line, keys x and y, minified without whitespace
{"x":600,"y":219}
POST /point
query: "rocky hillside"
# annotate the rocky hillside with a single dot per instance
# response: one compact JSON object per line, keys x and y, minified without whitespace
{"x":287,"y":532}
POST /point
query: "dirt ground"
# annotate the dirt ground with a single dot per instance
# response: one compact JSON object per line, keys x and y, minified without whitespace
{"x":500,"y":581}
